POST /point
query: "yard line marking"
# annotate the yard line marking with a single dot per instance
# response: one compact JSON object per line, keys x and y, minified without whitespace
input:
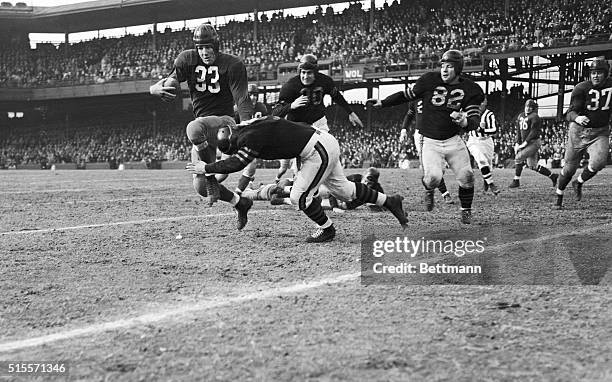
{"x":70,"y":202}
{"x":203,"y":306}
{"x":221,"y":301}
{"x":83,"y":190}
{"x":143,"y":221}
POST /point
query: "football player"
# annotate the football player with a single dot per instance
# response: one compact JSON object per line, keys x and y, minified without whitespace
{"x":301,"y":100}
{"x":451,"y":105}
{"x":318,"y":151}
{"x":528,"y":131}
{"x":259,"y":110}
{"x":481,"y":146}
{"x":415,"y":109}
{"x":589,"y":128}
{"x":279,"y":193}
{"x":216,"y":82}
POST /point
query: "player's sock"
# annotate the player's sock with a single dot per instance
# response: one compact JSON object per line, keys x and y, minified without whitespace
{"x":559,"y":202}
{"x":487,"y":175}
{"x":365,"y":194}
{"x":466,"y":196}
{"x":563,"y":182}
{"x":442,"y":187}
{"x":228,"y":196}
{"x":243,"y":182}
{"x":315,"y":212}
{"x":543,"y":170}
{"x":587,"y":174}
{"x":518,"y":170}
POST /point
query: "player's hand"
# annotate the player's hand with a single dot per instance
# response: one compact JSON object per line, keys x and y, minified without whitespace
{"x":582,"y":120}
{"x":164,"y":92}
{"x":459,"y":118}
{"x":354,"y":120}
{"x":517,"y":148}
{"x":403,"y":135}
{"x":375,"y":103}
{"x":301,"y":101}
{"x":196,"y":167}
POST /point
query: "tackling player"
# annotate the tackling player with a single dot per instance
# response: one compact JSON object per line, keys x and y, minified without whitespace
{"x":589,"y":128}
{"x":318,"y":151}
{"x":481,"y":146}
{"x":415,"y":110}
{"x":451,"y":105}
{"x":528,"y":131}
{"x":301,"y":100}
{"x":216,"y":82}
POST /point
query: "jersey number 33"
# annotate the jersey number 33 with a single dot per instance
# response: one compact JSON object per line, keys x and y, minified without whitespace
{"x":207,"y":79}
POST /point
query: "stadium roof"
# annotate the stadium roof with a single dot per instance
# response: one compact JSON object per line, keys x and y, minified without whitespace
{"x":106,"y":14}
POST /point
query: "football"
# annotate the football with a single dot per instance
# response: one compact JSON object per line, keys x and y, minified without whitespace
{"x":173,"y":82}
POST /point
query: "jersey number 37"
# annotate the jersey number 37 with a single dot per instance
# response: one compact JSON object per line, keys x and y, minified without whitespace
{"x":207,"y":79}
{"x":597,"y":97}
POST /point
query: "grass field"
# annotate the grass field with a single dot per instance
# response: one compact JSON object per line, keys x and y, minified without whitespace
{"x":92,"y":273}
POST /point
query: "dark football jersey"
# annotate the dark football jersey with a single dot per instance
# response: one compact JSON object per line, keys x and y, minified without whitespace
{"x":260,"y":110}
{"x":266,"y":138}
{"x":314,"y":109}
{"x":214,"y":89}
{"x":592,"y":102}
{"x":440,"y":100}
{"x":529,"y":127}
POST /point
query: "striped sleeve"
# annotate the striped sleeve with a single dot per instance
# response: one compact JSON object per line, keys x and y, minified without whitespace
{"x":490,"y":124}
{"x":473,"y":116}
{"x":235,"y":163}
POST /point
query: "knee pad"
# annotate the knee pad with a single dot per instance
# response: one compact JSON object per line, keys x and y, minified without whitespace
{"x":465,"y":178}
{"x":199,"y":185}
{"x":431,"y":182}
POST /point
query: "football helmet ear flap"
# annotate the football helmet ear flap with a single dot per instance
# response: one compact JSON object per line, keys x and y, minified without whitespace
{"x":600,"y":63}
{"x":226,"y":135}
{"x":206,"y":34}
{"x":454,"y":57}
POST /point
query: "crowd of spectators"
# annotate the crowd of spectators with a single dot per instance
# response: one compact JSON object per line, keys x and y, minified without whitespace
{"x":414,"y":32}
{"x":95,"y":142}
{"x":377,"y":145}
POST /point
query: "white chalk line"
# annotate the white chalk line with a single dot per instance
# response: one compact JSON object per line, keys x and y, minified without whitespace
{"x":208,"y":305}
{"x":85,"y":201}
{"x":86,"y":190}
{"x":129,"y":222}
{"x":202,"y":306}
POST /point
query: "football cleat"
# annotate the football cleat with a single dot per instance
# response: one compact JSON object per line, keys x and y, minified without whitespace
{"x":242,"y":207}
{"x":448,"y":199}
{"x":494,"y":189}
{"x":515,"y":183}
{"x":322,"y":235}
{"x":394,"y":205}
{"x":577,"y":186}
{"x":554,"y":178}
{"x":559,"y":202}
{"x":429,"y":200}
{"x":212,"y":190}
{"x":466,"y":216}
